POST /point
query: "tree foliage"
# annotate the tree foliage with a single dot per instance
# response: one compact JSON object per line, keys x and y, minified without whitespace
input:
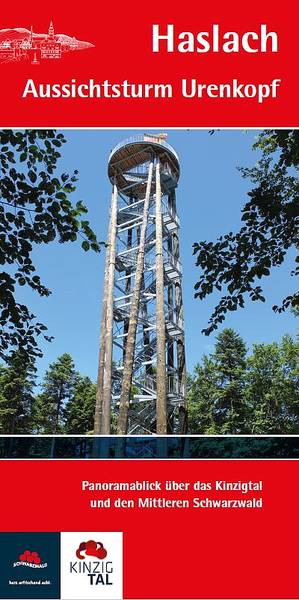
{"x":236,"y":262}
{"x":79,"y":412}
{"x":48,"y":415}
{"x":216,"y":395}
{"x":17,"y":386}
{"x":66,"y":403}
{"x":35,"y":209}
{"x":232,"y":393}
{"x":272,"y":391}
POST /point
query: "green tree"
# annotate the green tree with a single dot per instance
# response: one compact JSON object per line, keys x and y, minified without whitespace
{"x":272,"y":388}
{"x":17,"y":383}
{"x":58,"y":387}
{"x":79,"y":412}
{"x":234,"y":264}
{"x":230,"y":361}
{"x":35,"y":208}
{"x":231,"y":394}
{"x":216,"y":400}
{"x":202,"y":396}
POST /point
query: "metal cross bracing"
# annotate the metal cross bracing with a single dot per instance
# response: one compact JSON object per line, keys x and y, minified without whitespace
{"x":142,"y":371}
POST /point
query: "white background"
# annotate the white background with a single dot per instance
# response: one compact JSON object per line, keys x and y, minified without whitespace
{"x":77,"y":586}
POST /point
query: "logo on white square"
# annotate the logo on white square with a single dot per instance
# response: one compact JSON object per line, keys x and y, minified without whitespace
{"x":91,"y":565}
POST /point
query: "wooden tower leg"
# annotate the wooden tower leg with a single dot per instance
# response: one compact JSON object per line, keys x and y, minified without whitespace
{"x":161,"y":408}
{"x":101,"y":364}
{"x":131,"y":337}
{"x":105,"y":367}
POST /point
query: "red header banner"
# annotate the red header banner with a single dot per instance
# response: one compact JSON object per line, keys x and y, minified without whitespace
{"x":159,"y":65}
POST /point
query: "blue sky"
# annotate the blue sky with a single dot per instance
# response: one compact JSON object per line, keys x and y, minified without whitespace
{"x":210,"y":196}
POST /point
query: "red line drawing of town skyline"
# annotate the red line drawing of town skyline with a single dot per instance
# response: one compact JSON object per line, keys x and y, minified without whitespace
{"x":23,"y":44}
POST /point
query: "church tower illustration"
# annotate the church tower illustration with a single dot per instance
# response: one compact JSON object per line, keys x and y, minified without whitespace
{"x":22,"y":44}
{"x":51,"y":33}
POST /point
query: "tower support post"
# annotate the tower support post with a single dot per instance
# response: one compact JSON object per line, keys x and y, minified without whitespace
{"x":104,"y":383}
{"x":161,"y":337}
{"x":133,"y":320}
{"x":101,"y":363}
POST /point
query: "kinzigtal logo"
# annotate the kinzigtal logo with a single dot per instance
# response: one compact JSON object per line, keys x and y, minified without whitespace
{"x":21,"y":44}
{"x":91,"y":548}
{"x":30,"y":559}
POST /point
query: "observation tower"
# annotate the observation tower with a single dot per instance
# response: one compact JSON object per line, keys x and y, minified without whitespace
{"x":141,"y":382}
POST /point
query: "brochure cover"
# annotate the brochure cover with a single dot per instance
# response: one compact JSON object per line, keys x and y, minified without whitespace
{"x":149,"y":356}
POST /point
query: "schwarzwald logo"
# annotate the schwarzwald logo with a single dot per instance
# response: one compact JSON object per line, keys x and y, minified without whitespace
{"x":30,"y":559}
{"x":20,"y":44}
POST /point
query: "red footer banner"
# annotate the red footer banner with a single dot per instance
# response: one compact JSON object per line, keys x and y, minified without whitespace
{"x":217,"y":529}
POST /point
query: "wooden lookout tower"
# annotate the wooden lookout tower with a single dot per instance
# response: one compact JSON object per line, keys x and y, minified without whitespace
{"x":142,"y":370}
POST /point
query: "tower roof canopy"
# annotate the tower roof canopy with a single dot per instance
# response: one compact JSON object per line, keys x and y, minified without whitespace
{"x":130,"y":154}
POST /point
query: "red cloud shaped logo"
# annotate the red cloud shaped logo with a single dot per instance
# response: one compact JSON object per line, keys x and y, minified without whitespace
{"x":91,"y":548}
{"x":30,"y":557}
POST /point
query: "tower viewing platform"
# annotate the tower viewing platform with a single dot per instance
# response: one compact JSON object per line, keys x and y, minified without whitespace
{"x":131,"y":156}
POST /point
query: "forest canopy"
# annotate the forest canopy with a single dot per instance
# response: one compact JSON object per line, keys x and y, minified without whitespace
{"x":231,"y":391}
